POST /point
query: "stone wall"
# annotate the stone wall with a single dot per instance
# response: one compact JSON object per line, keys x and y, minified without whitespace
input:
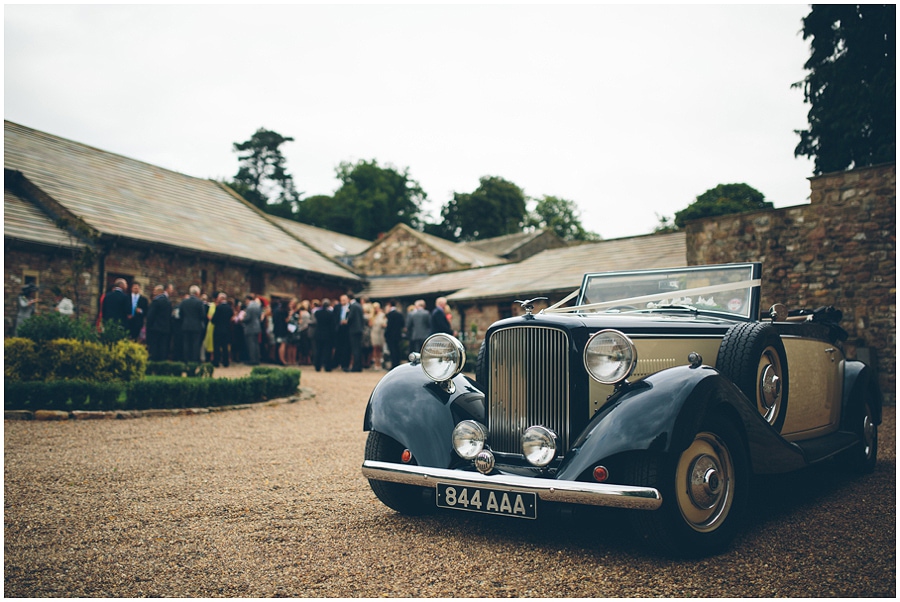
{"x":50,"y":267}
{"x":839,"y":250}
{"x":401,"y":253}
{"x":150,"y":267}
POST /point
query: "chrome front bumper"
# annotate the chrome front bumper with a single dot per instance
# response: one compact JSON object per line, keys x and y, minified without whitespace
{"x":570,"y":492}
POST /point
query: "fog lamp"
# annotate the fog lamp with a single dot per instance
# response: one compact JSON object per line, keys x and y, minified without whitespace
{"x":468,"y":439}
{"x":539,"y":445}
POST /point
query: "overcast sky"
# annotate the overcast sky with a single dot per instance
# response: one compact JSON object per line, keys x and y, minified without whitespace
{"x":629,"y":111}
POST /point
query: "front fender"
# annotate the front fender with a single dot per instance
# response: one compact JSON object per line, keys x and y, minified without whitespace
{"x":417,"y":412}
{"x":860,"y":385}
{"x":643,"y":416}
{"x":664,"y":411}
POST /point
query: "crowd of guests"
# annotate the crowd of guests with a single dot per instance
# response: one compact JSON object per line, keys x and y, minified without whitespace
{"x":350,"y":334}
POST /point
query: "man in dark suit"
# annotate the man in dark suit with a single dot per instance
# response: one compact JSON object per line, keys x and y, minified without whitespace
{"x":355,"y":323}
{"x":193,"y":324}
{"x":116,"y":306}
{"x":439,"y":322}
{"x":221,"y":321}
{"x":393,"y":332}
{"x":159,"y":324}
{"x":138,"y":312}
{"x":342,"y":353}
{"x":326,"y":327}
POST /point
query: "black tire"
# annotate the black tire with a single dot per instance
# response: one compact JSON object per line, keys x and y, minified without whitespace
{"x":861,"y":457}
{"x":405,"y":499}
{"x":480,"y":376}
{"x":704,"y":492}
{"x":752,"y":356}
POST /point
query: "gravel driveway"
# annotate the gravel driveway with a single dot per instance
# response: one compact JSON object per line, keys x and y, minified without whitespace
{"x":270,"y":501}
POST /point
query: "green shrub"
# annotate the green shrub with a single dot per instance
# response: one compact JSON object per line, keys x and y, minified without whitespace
{"x":128,"y":361}
{"x":66,"y":359}
{"x":50,"y":326}
{"x":21,"y":360}
{"x":66,"y":395}
{"x":171,"y":392}
{"x":166,"y":368}
{"x":191,"y":369}
{"x":112,"y":332}
{"x":282,"y":382}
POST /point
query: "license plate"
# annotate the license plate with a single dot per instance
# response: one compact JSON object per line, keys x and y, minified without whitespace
{"x":487,"y":501}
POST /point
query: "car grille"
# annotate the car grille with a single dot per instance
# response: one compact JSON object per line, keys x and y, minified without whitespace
{"x":528,"y":385}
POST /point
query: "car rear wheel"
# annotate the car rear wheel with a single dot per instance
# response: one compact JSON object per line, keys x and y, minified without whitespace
{"x":861,"y":457}
{"x":704,"y":492}
{"x":405,"y":499}
{"x":752,"y":356}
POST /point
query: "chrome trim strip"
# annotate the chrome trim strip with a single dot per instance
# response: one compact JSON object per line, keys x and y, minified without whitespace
{"x":570,"y":492}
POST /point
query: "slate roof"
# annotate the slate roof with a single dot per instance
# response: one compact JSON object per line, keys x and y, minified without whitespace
{"x":552,"y":271}
{"x":22,"y":220}
{"x":118,"y":196}
{"x":387,"y":287}
{"x":501,"y":246}
{"x":561,"y":270}
{"x":326,"y":242}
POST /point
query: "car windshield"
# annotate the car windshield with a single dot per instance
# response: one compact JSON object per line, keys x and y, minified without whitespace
{"x":722,"y":289}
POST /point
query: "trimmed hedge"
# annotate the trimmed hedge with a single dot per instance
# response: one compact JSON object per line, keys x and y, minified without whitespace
{"x":151,"y":393}
{"x":71,"y":359}
{"x":66,"y":395}
{"x":191,"y":369}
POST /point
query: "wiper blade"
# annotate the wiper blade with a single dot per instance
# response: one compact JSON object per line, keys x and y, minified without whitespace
{"x":690,"y":308}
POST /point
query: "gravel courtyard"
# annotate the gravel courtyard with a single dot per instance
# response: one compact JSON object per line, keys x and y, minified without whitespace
{"x":269,"y":501}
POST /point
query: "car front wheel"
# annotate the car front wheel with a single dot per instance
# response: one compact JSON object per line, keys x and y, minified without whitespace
{"x":405,"y":499}
{"x":704,"y":492}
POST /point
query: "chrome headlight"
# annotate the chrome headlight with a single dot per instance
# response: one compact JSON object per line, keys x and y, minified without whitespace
{"x":468,"y":439}
{"x":610,"y":357}
{"x":539,"y":445}
{"x":443,"y":357}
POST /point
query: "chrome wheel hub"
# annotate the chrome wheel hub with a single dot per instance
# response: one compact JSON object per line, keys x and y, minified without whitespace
{"x":705,"y":483}
{"x":868,"y":434}
{"x":705,"y":486}
{"x":769,"y":396}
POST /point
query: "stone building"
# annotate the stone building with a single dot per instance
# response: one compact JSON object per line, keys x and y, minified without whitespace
{"x":404,"y":251}
{"x":84,"y":217}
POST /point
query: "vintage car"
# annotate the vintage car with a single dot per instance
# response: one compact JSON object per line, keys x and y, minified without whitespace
{"x":660,"y":391}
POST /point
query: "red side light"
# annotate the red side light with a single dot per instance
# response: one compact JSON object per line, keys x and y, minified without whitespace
{"x":600,"y":474}
{"x":406,"y":456}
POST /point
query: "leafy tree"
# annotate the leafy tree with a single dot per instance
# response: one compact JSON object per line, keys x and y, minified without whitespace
{"x":262,"y":178}
{"x":495,"y":208}
{"x":562,"y":216}
{"x":665,"y":225}
{"x":370,"y":201}
{"x":724,"y":199}
{"x":851,"y":86}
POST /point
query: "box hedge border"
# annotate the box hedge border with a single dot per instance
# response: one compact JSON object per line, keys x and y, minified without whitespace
{"x":153,"y":392}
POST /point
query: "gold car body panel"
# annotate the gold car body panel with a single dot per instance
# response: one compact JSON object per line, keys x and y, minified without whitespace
{"x":815,"y":370}
{"x":656,"y":354}
{"x":815,"y":373}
